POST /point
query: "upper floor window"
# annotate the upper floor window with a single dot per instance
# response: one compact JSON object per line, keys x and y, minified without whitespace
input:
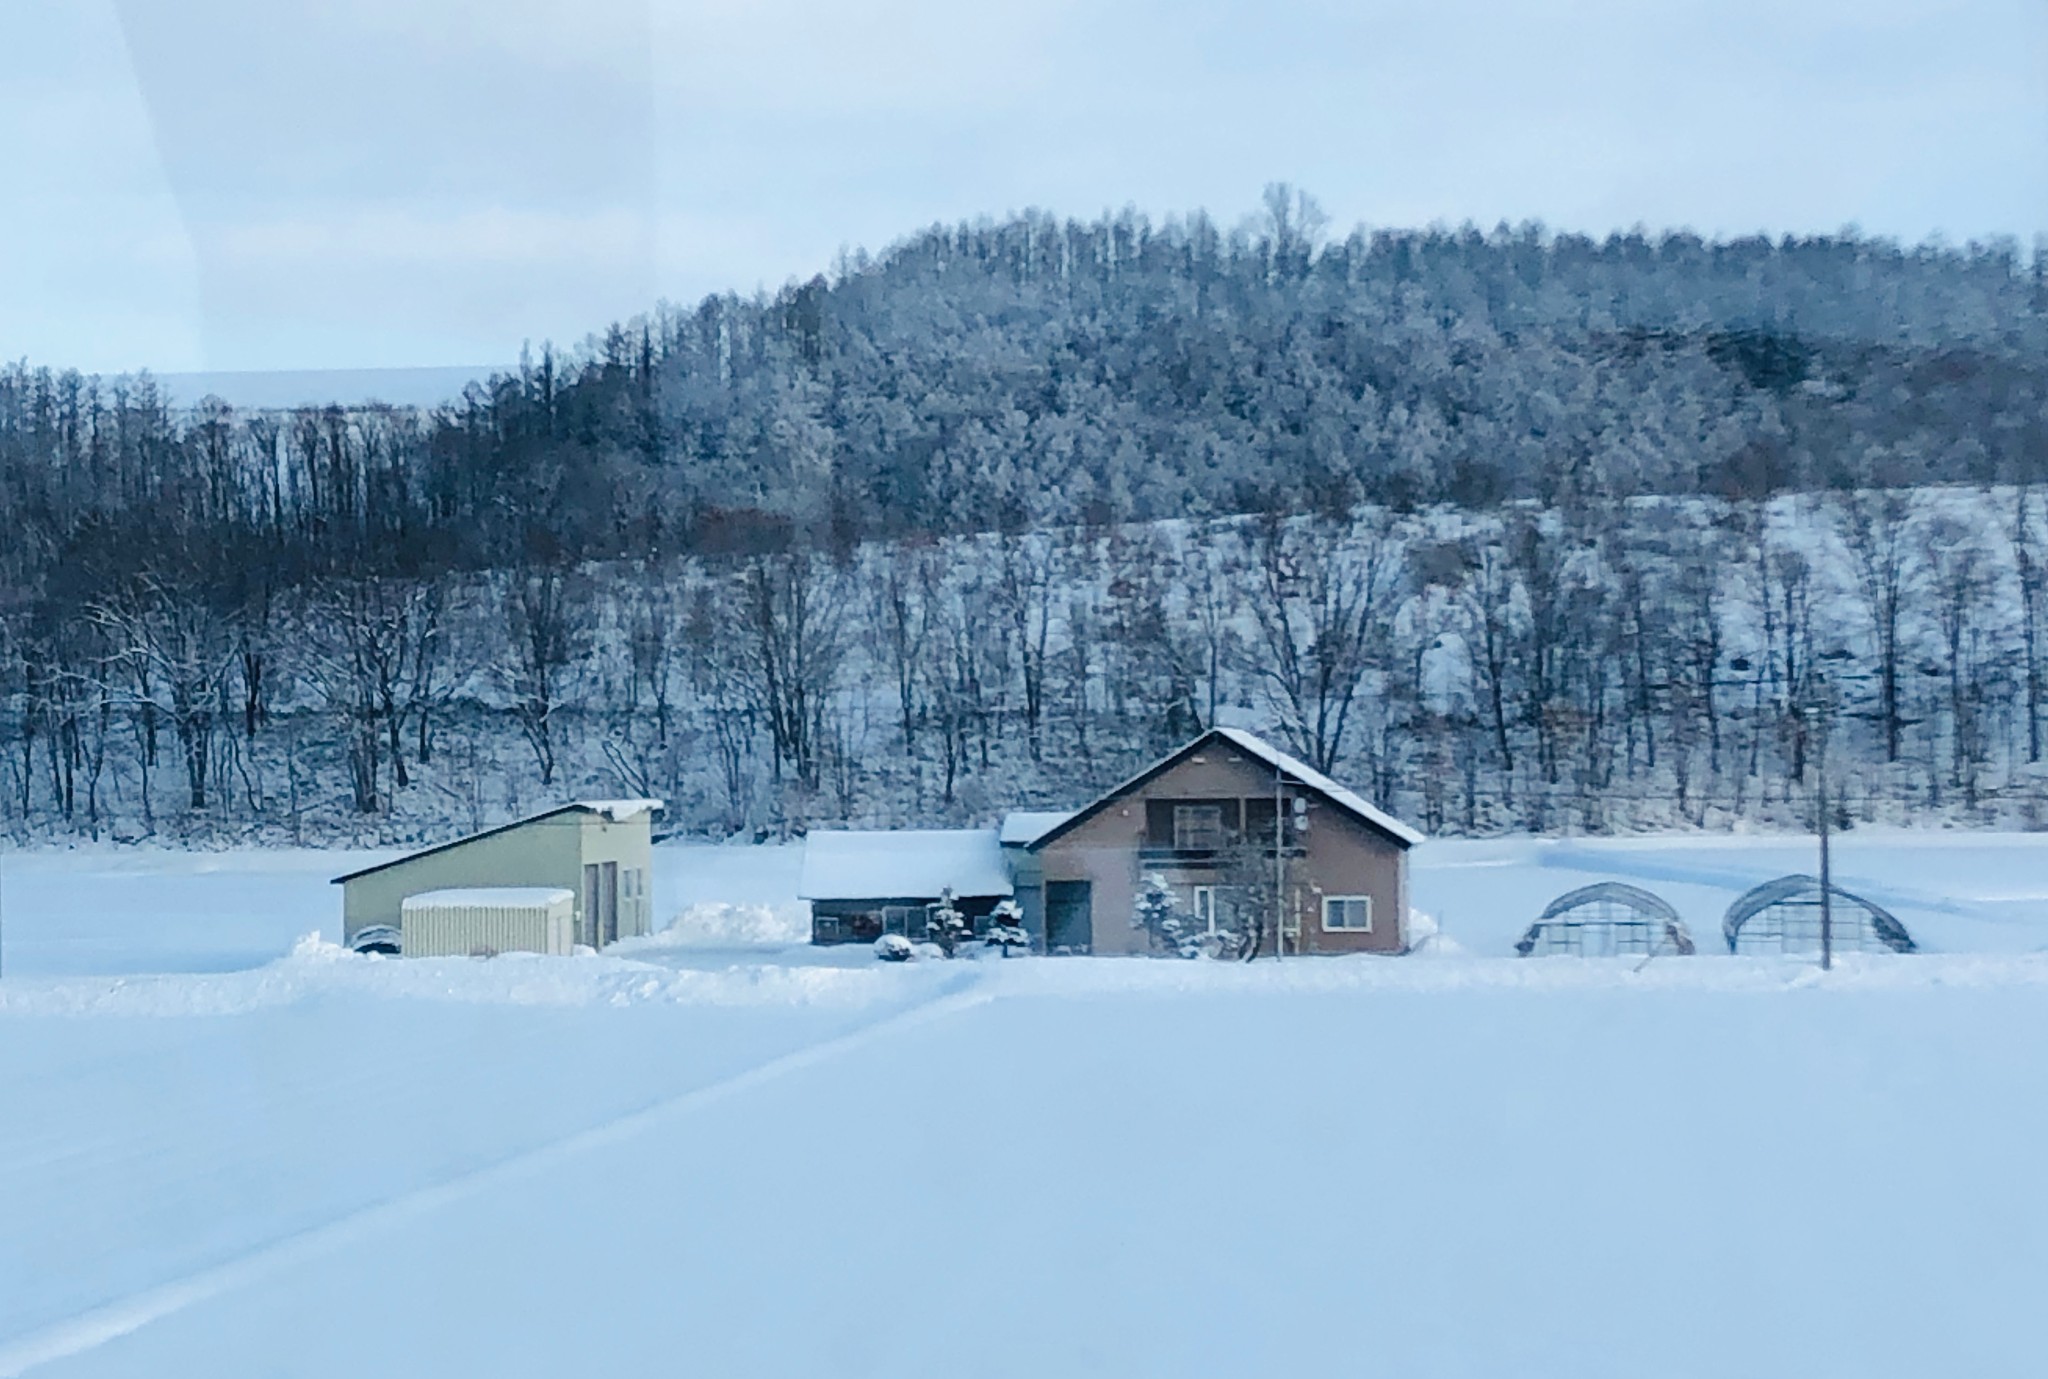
{"x":1197,"y":827}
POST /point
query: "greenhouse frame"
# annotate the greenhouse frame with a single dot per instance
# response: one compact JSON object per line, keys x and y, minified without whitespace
{"x":1783,"y":916}
{"x":1607,"y":919}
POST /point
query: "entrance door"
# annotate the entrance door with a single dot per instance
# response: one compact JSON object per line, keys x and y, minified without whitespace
{"x":1069,"y":917}
{"x":600,"y":903}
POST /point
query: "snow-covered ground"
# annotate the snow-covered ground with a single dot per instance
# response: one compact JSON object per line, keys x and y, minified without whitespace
{"x":226,"y":1150}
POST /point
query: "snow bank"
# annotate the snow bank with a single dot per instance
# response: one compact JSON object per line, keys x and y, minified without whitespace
{"x":316,"y":970}
{"x":716,"y":924}
{"x":1368,"y":976}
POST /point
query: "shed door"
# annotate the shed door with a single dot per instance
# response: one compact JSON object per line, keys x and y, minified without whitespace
{"x":600,"y":903}
{"x":1069,"y":918}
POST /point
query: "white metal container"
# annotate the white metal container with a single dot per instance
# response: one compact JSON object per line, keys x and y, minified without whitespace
{"x":487,"y":920}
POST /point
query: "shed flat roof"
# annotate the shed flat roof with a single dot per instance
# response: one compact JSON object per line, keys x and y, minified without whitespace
{"x":905,"y":864}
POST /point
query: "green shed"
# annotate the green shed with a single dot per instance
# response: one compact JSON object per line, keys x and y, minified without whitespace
{"x":601,"y":851}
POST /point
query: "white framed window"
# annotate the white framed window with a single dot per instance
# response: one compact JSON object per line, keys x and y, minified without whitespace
{"x":1203,"y":906}
{"x":1197,"y":827}
{"x":1347,"y":914}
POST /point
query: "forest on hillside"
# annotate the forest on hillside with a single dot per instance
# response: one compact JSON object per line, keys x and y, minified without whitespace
{"x":1516,"y":529}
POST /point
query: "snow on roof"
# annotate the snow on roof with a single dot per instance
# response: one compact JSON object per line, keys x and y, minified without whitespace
{"x":509,"y":897}
{"x":858,"y":864}
{"x":1025,"y":826}
{"x":1317,"y":781}
{"x":618,"y":811}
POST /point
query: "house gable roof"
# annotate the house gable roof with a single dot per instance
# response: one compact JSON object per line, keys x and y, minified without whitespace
{"x":1300,"y":772}
{"x":618,"y":811}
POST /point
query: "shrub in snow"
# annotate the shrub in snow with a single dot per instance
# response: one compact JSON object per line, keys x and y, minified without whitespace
{"x":894,"y":948}
{"x":947,"y":925}
{"x":1158,"y":914}
{"x":1006,"y":928}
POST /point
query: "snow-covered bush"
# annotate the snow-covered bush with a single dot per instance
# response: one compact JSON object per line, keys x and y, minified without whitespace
{"x":947,"y":925}
{"x":1006,"y":928}
{"x":894,"y":948}
{"x":1158,"y":914}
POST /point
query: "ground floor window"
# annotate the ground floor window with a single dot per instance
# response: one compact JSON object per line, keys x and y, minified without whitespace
{"x":1347,"y":913}
{"x":1204,"y":908}
{"x":634,"y":905}
{"x":904,"y":919}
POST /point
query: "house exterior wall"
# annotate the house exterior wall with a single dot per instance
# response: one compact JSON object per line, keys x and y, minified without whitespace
{"x":549,"y":851}
{"x":1338,"y":855}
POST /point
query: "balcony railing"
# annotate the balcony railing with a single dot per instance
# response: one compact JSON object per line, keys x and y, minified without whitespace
{"x":1166,"y":855}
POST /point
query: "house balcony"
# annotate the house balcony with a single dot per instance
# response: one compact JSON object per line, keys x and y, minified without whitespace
{"x":1203,"y":859}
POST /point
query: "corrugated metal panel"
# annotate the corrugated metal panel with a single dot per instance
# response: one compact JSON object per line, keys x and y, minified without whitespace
{"x":474,"y":926}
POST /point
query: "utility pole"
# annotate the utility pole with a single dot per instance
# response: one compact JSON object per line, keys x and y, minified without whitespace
{"x":1279,"y":876}
{"x":1827,"y":908}
{"x":1827,"y":912}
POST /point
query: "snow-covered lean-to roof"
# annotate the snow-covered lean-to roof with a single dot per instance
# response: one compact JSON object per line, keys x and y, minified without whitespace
{"x":907,"y":864}
{"x":1300,"y":772}
{"x":618,"y":811}
{"x":1023,"y":827}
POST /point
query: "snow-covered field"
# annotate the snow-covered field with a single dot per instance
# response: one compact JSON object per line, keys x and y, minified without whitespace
{"x":228,"y":1150}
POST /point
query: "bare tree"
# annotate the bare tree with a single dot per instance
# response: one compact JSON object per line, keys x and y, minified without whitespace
{"x":1209,"y":580}
{"x":1026,"y":589}
{"x":652,"y":614}
{"x":715,"y":674}
{"x":1490,"y":638}
{"x":2025,"y":534}
{"x":1876,"y":531}
{"x":546,"y":612}
{"x":790,"y":613}
{"x":902,"y":615}
{"x":176,"y":638}
{"x":1316,"y":618}
{"x":1957,"y":561}
{"x":375,"y":647}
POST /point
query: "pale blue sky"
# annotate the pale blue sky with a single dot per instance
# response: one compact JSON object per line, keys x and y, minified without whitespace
{"x":245,"y":184}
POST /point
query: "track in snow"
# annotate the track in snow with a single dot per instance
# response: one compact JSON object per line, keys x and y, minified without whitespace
{"x":105,"y":1323}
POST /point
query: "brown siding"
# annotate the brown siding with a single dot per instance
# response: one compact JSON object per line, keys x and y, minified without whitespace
{"x":1342,"y":856}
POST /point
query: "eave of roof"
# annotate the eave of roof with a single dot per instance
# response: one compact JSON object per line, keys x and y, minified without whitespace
{"x":1299,"y":772}
{"x":574,"y":807}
